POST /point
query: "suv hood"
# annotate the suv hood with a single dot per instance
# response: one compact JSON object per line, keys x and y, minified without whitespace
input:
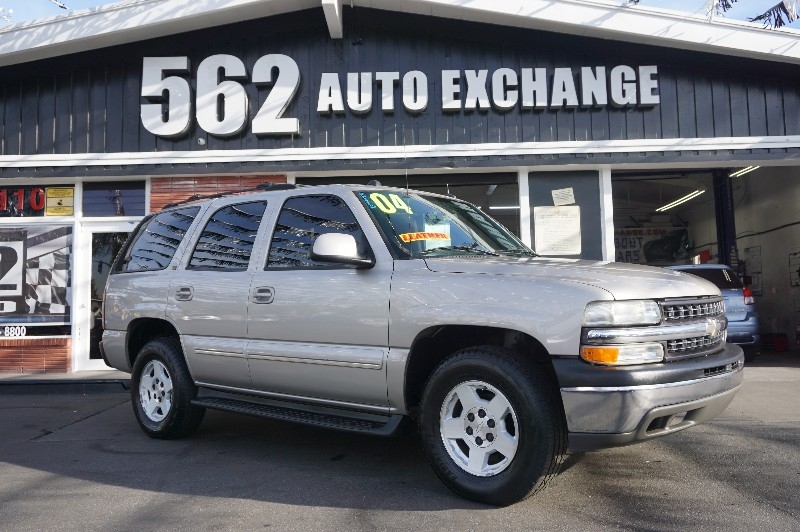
{"x":622,"y":280}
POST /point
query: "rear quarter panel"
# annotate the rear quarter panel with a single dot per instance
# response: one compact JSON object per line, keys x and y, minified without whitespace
{"x":134,"y":295}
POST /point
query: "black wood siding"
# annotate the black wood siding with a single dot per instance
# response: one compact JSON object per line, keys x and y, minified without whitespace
{"x":90,"y":102}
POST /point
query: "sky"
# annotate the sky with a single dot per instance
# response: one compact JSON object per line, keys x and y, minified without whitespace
{"x":26,"y":10}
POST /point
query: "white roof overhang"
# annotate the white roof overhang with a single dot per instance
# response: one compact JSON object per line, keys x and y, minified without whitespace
{"x":138,"y":20}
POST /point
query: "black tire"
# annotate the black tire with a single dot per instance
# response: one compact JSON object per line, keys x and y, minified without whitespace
{"x":750,"y":354}
{"x":162,"y":391}
{"x":523,"y":405}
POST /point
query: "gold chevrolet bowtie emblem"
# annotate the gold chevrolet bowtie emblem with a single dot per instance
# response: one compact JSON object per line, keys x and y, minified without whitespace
{"x":712,"y":327}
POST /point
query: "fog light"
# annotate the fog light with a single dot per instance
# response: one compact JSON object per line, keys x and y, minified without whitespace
{"x":622,"y":355}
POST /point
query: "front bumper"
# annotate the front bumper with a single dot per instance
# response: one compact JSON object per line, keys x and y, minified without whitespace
{"x":609,"y":407}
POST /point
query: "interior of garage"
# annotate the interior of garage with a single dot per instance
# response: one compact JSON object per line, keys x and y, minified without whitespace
{"x":767,"y":230}
{"x":666,"y":217}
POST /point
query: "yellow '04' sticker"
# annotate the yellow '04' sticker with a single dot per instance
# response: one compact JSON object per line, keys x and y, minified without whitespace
{"x":389,"y":204}
{"x":414,"y":237}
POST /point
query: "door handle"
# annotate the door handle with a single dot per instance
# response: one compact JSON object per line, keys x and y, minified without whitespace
{"x":262,"y":295}
{"x":184,"y":293}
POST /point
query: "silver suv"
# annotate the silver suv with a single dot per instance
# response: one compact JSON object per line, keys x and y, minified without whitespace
{"x":356,"y":307}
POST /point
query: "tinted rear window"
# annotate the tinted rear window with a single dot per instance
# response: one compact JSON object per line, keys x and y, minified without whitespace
{"x":721,"y":278}
{"x":157,"y":241}
{"x":227,"y":241}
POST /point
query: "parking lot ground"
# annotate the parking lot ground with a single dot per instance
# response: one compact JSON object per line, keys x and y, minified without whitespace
{"x":78,"y":461}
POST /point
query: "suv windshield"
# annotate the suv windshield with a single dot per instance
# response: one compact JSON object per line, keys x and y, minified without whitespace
{"x":418,"y":225}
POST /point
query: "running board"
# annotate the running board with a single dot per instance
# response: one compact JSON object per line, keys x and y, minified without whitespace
{"x":371,"y":424}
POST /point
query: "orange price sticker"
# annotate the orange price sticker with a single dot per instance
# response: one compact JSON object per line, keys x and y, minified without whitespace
{"x":414,"y":237}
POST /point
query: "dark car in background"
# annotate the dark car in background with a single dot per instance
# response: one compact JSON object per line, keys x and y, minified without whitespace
{"x":740,"y":308}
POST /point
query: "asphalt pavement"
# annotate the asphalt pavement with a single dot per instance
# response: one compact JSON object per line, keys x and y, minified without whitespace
{"x":73,"y":458}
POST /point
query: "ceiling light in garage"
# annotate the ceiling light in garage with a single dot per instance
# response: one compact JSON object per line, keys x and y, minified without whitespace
{"x":678,"y":201}
{"x":743,"y":171}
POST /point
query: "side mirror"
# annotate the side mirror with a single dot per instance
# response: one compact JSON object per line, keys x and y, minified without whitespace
{"x":339,"y":248}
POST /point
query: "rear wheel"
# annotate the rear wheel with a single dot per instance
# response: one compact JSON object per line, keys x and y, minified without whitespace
{"x":492,"y":425}
{"x":162,"y":391}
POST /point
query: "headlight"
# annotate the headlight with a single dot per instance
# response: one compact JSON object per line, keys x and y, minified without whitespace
{"x":622,"y":355}
{"x":621,"y":313}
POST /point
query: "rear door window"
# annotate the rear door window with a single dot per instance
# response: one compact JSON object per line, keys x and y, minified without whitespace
{"x":227,"y":240}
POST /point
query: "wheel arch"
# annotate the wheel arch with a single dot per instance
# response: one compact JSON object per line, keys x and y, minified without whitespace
{"x":434,"y":344}
{"x":142,"y":330}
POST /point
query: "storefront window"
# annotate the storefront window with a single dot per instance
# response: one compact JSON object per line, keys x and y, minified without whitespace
{"x":35,"y":280}
{"x":105,"y":247}
{"x":121,"y":198}
{"x":32,"y":201}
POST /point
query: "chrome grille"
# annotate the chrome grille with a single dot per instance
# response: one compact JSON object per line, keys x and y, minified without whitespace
{"x":700,"y":345}
{"x":685,"y":311}
{"x":692,"y":309}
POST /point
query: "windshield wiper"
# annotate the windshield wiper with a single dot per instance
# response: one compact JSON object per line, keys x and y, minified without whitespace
{"x":518,"y":252}
{"x":460,"y":248}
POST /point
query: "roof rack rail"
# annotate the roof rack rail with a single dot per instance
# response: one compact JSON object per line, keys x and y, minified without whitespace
{"x":275,"y":186}
{"x":261,"y":187}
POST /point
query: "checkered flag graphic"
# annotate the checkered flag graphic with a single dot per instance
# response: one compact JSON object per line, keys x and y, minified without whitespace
{"x":48,"y":289}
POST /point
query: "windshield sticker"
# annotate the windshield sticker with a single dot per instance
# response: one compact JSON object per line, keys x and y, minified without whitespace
{"x":391,"y":204}
{"x":414,"y":237}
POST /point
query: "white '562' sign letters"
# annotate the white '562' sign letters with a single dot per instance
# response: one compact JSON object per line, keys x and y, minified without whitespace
{"x":222,"y":108}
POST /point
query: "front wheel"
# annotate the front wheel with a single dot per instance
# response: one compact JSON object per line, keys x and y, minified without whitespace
{"x":492,"y":425}
{"x":162,"y":391}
